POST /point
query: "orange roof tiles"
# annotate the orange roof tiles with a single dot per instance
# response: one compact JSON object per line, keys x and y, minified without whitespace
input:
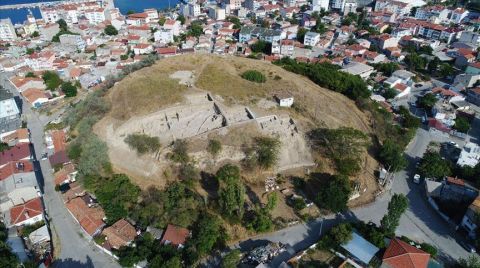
{"x":120,"y":234}
{"x":15,"y":167}
{"x":30,"y":209}
{"x":399,"y":254}
{"x":175,"y":235}
{"x":90,"y":218}
{"x":59,"y":140}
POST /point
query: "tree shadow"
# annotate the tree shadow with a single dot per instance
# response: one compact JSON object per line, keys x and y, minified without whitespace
{"x":70,"y":263}
{"x":209,"y":183}
{"x":252,"y":196}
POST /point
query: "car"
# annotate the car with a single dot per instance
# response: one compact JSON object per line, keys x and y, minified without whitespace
{"x":418,"y":85}
{"x":468,"y":247}
{"x":453,"y":143}
{"x":416,"y":179}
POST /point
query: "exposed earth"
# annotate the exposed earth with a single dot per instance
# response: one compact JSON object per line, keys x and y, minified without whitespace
{"x":200,"y":97}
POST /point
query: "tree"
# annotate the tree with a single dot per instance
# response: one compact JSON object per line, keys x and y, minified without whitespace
{"x":261,"y":47}
{"x":267,"y":150}
{"x":415,"y":62}
{"x":254,"y":76}
{"x":181,"y":19}
{"x":180,"y":151}
{"x":62,"y":24}
{"x":301,"y":34}
{"x":93,"y":156}
{"x":433,"y":65}
{"x":214,"y":147}
{"x":396,"y":207}
{"x":195,"y":29}
{"x":427,"y":101}
{"x":35,"y":34}
{"x":341,"y":233}
{"x":206,"y":233}
{"x":231,"y":191}
{"x":231,"y":259}
{"x":446,"y":70}
{"x":471,"y":262}
{"x":409,"y":121}
{"x":343,"y":145}
{"x":30,"y":51}
{"x":30,"y":74}
{"x":462,"y":124}
{"x":52,"y":80}
{"x":387,"y":68}
{"x":391,"y":155}
{"x":130,"y":12}
{"x":110,"y":30}
{"x":143,"y":143}
{"x":272,"y":201}
{"x":161,"y":21}
{"x":69,"y":89}
{"x":433,"y":165}
{"x":335,"y":194}
{"x":259,"y":220}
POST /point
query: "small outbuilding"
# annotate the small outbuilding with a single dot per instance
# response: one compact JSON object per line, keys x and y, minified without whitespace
{"x":284,"y":99}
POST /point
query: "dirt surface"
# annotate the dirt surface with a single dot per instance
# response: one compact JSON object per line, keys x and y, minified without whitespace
{"x":200,"y":97}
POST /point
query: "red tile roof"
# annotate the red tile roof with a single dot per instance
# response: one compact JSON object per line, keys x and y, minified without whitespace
{"x":15,"y":167}
{"x":455,"y":181}
{"x":90,"y":218}
{"x":59,"y":140}
{"x":399,"y":254}
{"x":17,"y":152}
{"x":120,"y":234}
{"x":30,"y":209}
{"x":175,"y":235}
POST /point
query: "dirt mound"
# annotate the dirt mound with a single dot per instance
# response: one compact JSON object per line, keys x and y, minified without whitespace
{"x":216,"y":102}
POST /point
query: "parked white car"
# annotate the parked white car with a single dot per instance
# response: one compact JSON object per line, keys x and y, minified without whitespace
{"x":416,"y":179}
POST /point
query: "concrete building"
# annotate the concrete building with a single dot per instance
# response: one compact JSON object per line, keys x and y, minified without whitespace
{"x":234,"y":4}
{"x":269,"y":35}
{"x":50,"y":15}
{"x":7,"y":31}
{"x":95,"y":16}
{"x":470,"y":37}
{"x":73,"y":40}
{"x":337,"y":4}
{"x":216,"y":13}
{"x":357,"y":68}
{"x":318,"y":5}
{"x":469,"y":156}
{"x":9,"y":115}
{"x":163,"y":36}
{"x":311,"y":39}
{"x":350,"y":6}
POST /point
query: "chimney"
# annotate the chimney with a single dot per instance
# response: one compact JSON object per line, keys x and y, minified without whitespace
{"x":26,"y":214}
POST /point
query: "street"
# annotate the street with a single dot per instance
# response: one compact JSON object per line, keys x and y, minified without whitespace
{"x":71,"y":247}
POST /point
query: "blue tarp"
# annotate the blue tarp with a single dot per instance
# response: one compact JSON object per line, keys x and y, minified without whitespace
{"x":360,"y":248}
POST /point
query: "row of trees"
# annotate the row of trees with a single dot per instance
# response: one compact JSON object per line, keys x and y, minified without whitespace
{"x":328,"y":75}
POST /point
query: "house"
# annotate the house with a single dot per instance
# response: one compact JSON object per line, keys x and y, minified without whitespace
{"x":249,"y":32}
{"x":58,"y":158}
{"x":399,"y":76}
{"x":469,"y":156}
{"x":141,"y":49}
{"x":163,"y":36}
{"x":175,"y":236}
{"x":287,"y":47}
{"x":89,"y":216}
{"x":36,"y":96}
{"x":473,"y":68}
{"x":284,"y":99}
{"x":400,"y":254}
{"x":473,"y":95}
{"x":121,"y":233}
{"x":23,"y":83}
{"x":28,"y":213}
{"x":402,"y":90}
{"x":15,"y":137}
{"x":385,"y":41}
{"x":357,"y":68}
{"x":65,"y":175}
{"x":173,"y":25}
{"x":311,"y":39}
{"x":360,"y":249}
{"x":470,"y":220}
{"x":16,"y":153}
{"x":17,"y":174}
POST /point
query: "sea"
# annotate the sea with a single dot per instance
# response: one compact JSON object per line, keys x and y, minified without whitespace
{"x":20,"y":15}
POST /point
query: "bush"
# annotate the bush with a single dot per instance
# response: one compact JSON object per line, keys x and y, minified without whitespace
{"x":254,"y":76}
{"x":69,"y":89}
{"x":429,"y":249}
{"x":180,"y":151}
{"x":334,"y":196}
{"x":267,"y":151}
{"x":462,"y":124}
{"x":143,"y":143}
{"x":110,"y":30}
{"x":391,"y":155}
{"x":52,"y":80}
{"x":214,"y":147}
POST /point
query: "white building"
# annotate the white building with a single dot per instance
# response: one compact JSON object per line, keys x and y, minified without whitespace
{"x":357,"y":68}
{"x":194,"y":10}
{"x":73,"y":40}
{"x":470,"y":155}
{"x":234,"y":4}
{"x":7,"y":31}
{"x":470,"y":37}
{"x":350,"y":6}
{"x":50,"y":15}
{"x":95,"y":16}
{"x":311,"y":39}
{"x":337,"y":4}
{"x":318,"y":5}
{"x":284,"y":99}
{"x":163,"y":36}
{"x":458,"y":15}
{"x":216,"y":13}
{"x":173,"y":25}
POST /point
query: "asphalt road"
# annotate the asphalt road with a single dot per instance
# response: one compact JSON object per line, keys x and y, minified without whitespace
{"x":73,"y":249}
{"x":420,"y":222}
